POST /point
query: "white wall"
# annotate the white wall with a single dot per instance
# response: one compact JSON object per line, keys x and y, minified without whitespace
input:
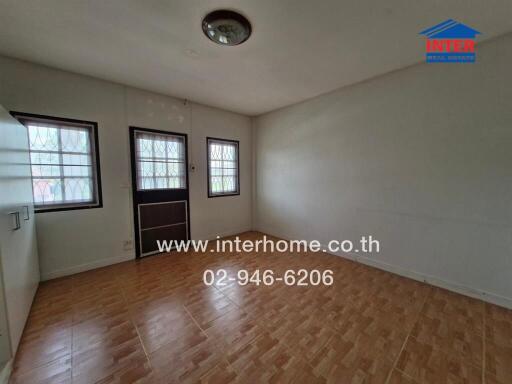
{"x":420,"y":158}
{"x":77,"y":240}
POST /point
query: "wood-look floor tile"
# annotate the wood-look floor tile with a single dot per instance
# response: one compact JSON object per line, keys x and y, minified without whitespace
{"x":233,"y":330}
{"x":347,"y":361}
{"x":253,"y":360}
{"x":210,"y":308}
{"x":302,"y":332}
{"x":163,"y":321}
{"x":425,"y":364}
{"x":491,"y":379}
{"x":118,"y":349}
{"x":185,"y":360}
{"x":181,"y":328}
{"x":56,"y":372}
{"x":103,"y":332}
{"x":440,"y":334}
{"x":498,"y":325}
{"x":461,"y":311}
{"x":499,"y":361}
{"x":154,"y":321}
{"x":266,"y":360}
{"x":222,"y":373}
{"x":398,"y":377}
{"x":48,"y":346}
{"x":138,"y":371}
{"x":92,"y":366}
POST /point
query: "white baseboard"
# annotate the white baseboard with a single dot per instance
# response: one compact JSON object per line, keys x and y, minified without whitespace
{"x":432,"y":280}
{"x":5,"y":373}
{"x":85,"y":267}
{"x":418,"y":276}
{"x":228,"y":233}
{"x":114,"y":260}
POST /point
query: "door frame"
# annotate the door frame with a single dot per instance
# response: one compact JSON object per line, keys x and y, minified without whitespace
{"x":133,"y":167}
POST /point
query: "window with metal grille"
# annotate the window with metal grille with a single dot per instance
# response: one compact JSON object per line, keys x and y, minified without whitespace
{"x":223,"y":167}
{"x":160,"y":161}
{"x":64,"y":162}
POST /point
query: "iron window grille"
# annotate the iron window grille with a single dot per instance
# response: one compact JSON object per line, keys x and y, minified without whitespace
{"x":160,"y":161}
{"x":223,"y":167}
{"x":64,"y":162}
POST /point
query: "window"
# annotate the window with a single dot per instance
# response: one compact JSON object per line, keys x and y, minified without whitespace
{"x":223,"y":167}
{"x":160,"y":161}
{"x":64,"y":162}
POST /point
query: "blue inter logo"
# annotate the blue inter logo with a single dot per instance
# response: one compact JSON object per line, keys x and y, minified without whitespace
{"x":450,"y":42}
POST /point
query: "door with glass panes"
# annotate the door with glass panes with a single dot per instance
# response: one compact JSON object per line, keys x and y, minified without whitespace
{"x":160,"y":188}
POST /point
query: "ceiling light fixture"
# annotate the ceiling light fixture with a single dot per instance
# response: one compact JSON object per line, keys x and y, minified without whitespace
{"x":226,"y":27}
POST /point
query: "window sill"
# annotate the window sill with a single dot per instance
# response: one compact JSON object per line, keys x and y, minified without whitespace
{"x":65,"y":208}
{"x":223,"y":194}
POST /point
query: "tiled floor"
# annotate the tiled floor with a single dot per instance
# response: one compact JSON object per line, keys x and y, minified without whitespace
{"x":154,"y":321}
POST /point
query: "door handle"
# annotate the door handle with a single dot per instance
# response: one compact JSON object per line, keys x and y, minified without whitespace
{"x":16,"y":215}
{"x":27,"y":213}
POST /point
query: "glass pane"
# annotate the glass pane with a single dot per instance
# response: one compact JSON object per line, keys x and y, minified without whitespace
{"x":228,"y":184}
{"x":174,"y":150}
{"x":78,"y":189}
{"x":75,"y":140}
{"x":45,"y":171}
{"x":147,"y":183}
{"x":216,"y":164}
{"x":61,"y":163}
{"x":44,"y":158}
{"x":161,"y":183}
{"x":145,"y":149}
{"x":229,"y":164}
{"x":160,"y":169}
{"x":160,"y":161}
{"x":215,"y":152}
{"x":47,"y":191}
{"x":223,"y":167}
{"x":216,"y":172}
{"x":229,"y":152}
{"x":72,"y":159}
{"x":177,"y":182}
{"x":43,"y":138}
{"x":160,"y":149}
{"x":216,"y":184}
{"x":229,"y":172}
{"x":77,"y":170}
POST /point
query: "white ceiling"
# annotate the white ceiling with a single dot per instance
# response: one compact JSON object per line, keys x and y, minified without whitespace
{"x":299,"y":48}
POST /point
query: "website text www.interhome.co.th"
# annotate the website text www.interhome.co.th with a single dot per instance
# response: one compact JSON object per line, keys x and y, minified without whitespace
{"x":366,"y":244}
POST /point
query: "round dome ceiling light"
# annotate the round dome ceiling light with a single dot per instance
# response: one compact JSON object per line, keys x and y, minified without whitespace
{"x":226,"y":27}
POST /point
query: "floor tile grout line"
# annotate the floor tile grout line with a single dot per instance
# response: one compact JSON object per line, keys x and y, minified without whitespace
{"x":134,"y":325}
{"x":210,"y":339}
{"x":290,"y":348}
{"x":39,"y":366}
{"x":72,"y":325}
{"x":267,"y":330}
{"x":195,"y":321}
{"x":484,"y":342}
{"x":44,"y":365}
{"x":50,"y":362}
{"x":406,"y":375}
{"x":408,"y":335}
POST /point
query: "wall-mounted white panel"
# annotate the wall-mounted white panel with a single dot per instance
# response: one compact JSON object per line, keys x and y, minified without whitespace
{"x":18,"y":246}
